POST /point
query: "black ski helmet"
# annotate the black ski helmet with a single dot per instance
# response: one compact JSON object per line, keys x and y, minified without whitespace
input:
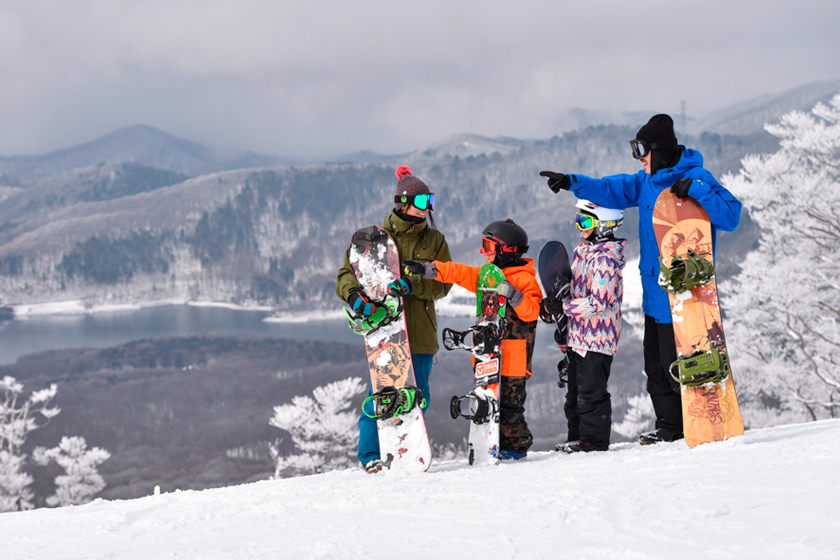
{"x":509,"y":235}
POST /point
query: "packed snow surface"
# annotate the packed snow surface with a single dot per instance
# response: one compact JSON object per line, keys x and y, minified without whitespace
{"x":773,"y":493}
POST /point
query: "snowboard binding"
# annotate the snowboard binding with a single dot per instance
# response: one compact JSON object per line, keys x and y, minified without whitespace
{"x":481,"y":409}
{"x":486,"y":338}
{"x":685,"y":273}
{"x":563,"y":370}
{"x":704,"y":366}
{"x":389,"y":310}
{"x":393,"y":402}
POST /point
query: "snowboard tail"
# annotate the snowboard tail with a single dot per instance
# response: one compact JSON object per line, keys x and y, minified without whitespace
{"x":709,"y":402}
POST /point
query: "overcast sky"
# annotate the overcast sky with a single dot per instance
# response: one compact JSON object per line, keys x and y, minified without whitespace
{"x":323,"y":77}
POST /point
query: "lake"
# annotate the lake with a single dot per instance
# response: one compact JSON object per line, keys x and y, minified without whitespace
{"x":25,"y":335}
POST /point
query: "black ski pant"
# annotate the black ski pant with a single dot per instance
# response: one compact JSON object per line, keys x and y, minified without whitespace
{"x":660,"y":352}
{"x":588,"y":406}
{"x":513,"y":429}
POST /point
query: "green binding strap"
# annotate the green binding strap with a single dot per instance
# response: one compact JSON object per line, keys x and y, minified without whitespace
{"x":392,"y":402}
{"x":388,"y":311}
{"x":685,"y":273}
{"x":704,"y":366}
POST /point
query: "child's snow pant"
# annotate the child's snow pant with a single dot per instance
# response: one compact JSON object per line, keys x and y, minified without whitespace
{"x":588,"y":407}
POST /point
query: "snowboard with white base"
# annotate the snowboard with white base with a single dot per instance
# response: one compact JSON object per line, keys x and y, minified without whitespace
{"x":483,"y":401}
{"x":403,"y":440}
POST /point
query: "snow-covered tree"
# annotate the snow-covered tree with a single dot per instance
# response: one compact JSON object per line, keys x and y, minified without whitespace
{"x":783,"y":309}
{"x":17,"y":420}
{"x":638,"y":418}
{"x":82,"y":481}
{"x":322,"y":427}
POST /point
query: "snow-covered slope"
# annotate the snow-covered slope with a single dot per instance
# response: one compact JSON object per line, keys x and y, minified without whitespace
{"x":770,"y":494}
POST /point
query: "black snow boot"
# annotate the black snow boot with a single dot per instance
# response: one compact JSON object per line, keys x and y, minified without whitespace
{"x":658,"y":436}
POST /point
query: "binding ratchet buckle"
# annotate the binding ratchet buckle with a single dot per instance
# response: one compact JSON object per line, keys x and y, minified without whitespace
{"x":704,"y":366}
{"x":388,"y":310}
{"x":393,"y":402}
{"x":685,"y":272}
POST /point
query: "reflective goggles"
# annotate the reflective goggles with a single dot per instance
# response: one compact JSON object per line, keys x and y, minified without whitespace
{"x":425,"y":201}
{"x":640,"y":148}
{"x":586,"y":221}
{"x":489,"y":246}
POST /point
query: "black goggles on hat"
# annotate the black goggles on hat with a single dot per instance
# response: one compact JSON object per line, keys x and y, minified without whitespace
{"x":425,"y":201}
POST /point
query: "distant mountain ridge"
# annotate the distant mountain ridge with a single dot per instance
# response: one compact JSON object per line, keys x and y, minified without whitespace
{"x":140,"y":144}
{"x":750,"y":116}
{"x":127,"y":232}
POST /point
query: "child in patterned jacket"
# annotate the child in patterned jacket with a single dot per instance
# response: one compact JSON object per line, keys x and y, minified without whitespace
{"x":593,"y":307}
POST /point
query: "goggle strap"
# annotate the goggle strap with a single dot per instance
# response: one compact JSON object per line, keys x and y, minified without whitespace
{"x":406,"y":199}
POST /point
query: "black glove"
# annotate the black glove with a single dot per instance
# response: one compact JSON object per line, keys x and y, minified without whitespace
{"x":550,"y":308}
{"x":681,"y":186}
{"x":361,"y":304}
{"x":414,"y":268}
{"x":400,"y":287}
{"x":557,"y":181}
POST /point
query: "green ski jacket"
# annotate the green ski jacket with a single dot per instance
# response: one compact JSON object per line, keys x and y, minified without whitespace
{"x":417,"y":242}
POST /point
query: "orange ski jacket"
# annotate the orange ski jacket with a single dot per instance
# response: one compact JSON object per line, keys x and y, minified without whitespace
{"x":518,"y":347}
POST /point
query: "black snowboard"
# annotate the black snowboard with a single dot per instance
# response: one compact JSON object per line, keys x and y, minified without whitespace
{"x":556,"y":272}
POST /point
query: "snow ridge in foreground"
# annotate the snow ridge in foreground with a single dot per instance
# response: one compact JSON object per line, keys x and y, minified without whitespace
{"x":772,"y":493}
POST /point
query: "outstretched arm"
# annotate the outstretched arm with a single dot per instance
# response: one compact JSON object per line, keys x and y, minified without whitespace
{"x":614,"y":191}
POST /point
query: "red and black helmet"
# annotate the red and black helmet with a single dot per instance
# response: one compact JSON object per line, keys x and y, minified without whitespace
{"x":509,"y":237}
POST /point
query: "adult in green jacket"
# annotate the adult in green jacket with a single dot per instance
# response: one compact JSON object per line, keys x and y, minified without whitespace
{"x":416,"y":240}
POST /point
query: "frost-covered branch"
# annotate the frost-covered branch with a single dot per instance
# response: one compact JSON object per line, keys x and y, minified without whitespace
{"x":16,"y":422}
{"x":81,"y":481}
{"x":785,"y":303}
{"x":322,"y":427}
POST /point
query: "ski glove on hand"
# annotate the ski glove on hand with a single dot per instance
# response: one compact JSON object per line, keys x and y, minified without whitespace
{"x":426,"y":270}
{"x":400,"y":287}
{"x":557,"y":181}
{"x":361,"y":304}
{"x":681,"y":186}
{"x":513,"y":295}
{"x":550,"y":308}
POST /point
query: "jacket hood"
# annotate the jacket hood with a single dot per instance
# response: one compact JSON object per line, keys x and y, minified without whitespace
{"x":527,"y":268}
{"x":689,"y":159}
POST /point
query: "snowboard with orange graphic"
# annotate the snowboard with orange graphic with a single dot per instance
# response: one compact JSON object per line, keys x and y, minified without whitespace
{"x":710,"y":411}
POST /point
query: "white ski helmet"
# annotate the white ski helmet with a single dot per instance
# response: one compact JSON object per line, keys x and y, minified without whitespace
{"x":609,"y":219}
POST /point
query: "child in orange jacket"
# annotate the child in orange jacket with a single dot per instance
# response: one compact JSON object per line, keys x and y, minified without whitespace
{"x":503,"y":244}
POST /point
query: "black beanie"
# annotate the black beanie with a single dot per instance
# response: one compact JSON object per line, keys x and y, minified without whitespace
{"x":659,"y":134}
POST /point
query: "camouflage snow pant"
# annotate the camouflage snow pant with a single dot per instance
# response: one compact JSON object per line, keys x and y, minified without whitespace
{"x":514,"y":433}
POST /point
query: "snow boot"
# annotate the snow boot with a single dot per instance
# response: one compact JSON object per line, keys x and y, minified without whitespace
{"x":578,"y":446}
{"x":511,"y":455}
{"x":659,"y":436}
{"x":374,"y":466}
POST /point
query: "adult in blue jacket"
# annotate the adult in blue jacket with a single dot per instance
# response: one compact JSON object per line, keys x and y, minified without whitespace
{"x":667,"y":164}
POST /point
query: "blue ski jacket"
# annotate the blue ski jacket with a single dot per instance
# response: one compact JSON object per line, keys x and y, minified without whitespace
{"x":625,"y":191}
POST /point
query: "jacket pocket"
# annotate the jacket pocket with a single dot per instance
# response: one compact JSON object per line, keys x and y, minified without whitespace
{"x":515,"y":358}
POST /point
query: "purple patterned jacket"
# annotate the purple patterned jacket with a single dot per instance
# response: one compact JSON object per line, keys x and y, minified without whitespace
{"x":594,"y":308}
